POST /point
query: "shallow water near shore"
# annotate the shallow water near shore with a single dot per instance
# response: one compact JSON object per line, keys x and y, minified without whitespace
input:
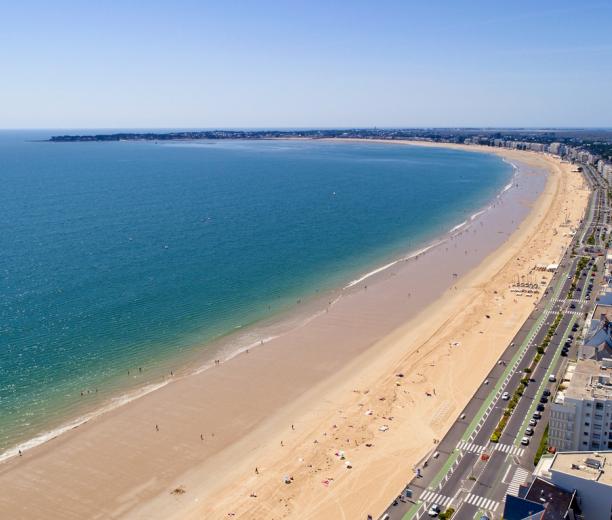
{"x":125,"y":257}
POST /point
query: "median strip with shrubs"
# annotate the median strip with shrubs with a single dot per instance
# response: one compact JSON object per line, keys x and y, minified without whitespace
{"x":518,"y":393}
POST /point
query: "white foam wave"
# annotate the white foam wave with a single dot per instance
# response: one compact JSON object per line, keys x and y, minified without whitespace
{"x":115,"y":402}
{"x":458,"y":227}
{"x":371,"y":273}
{"x":477,"y":214}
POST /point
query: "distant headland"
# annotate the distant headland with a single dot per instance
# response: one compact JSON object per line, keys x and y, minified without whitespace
{"x":594,"y":140}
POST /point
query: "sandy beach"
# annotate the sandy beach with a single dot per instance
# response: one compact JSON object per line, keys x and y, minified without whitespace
{"x":219,"y":444}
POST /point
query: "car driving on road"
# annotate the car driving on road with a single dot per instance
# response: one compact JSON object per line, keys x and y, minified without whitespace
{"x":434,"y":510}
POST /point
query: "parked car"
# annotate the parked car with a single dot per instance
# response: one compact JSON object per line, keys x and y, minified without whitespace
{"x":529,"y":431}
{"x":533,"y":422}
{"x":537,"y":415}
{"x":546,"y":392}
{"x":552,"y":378}
{"x":543,"y":399}
{"x":540,"y":408}
{"x":525,"y":441}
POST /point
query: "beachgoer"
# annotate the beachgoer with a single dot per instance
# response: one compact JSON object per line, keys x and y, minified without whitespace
{"x":20,"y":453}
{"x":156,"y":427}
{"x":201,"y":437}
{"x":282,"y":444}
{"x":256,"y":471}
{"x":292,"y":427}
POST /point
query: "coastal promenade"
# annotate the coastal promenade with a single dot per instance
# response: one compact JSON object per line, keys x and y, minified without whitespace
{"x":469,"y":473}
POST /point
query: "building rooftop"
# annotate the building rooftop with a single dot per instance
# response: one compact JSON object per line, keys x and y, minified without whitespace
{"x":555,"y":500}
{"x":589,"y":465}
{"x":518,"y":508}
{"x":602,"y":310}
{"x":586,"y":379}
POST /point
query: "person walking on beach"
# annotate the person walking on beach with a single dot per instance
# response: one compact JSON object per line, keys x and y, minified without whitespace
{"x":256,"y":471}
{"x":157,"y":427}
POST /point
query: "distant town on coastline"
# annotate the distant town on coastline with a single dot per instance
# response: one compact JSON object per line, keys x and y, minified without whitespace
{"x":591,"y":146}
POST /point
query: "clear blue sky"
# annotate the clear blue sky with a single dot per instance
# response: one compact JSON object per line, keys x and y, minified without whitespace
{"x":203,"y":64}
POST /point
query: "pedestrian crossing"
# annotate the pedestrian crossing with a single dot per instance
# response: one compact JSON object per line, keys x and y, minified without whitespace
{"x":508,"y":448}
{"x":470,"y":446}
{"x":482,"y":502}
{"x":435,"y":498}
{"x":519,"y":478}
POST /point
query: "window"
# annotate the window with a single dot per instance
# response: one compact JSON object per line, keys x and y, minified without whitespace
{"x":598,"y":406}
{"x":587,"y":424}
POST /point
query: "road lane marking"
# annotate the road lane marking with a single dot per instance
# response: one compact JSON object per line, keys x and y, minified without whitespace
{"x":470,"y":446}
{"x":487,"y":504}
{"x":519,"y":478}
{"x":512,"y":450}
{"x":435,"y":498}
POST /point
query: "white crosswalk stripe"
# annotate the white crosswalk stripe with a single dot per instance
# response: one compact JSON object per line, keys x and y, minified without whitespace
{"x":519,"y":478}
{"x":512,"y":450}
{"x":470,"y":446}
{"x":431,"y":497}
{"x":482,"y":502}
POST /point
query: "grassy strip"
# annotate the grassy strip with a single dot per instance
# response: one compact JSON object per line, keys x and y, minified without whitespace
{"x":542,"y":447}
{"x":518,"y":393}
{"x":412,"y":511}
{"x":447,"y":465}
{"x":447,"y":514}
{"x":544,"y":380}
{"x":582,"y":263}
{"x":472,"y":426}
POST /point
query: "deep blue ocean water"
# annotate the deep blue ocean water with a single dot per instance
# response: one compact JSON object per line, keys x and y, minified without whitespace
{"x":115,"y":256}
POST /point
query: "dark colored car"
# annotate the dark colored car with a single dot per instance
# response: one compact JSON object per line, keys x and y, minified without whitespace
{"x":540,"y":408}
{"x":546,"y":392}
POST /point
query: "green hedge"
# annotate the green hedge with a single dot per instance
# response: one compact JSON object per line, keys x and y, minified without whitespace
{"x":542,"y":447}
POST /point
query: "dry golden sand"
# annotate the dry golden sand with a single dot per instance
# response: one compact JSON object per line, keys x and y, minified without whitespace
{"x":119,"y":466}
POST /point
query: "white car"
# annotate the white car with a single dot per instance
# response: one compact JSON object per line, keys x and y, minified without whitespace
{"x":505,"y":396}
{"x":552,"y":378}
{"x":525,"y":441}
{"x":434,"y":510}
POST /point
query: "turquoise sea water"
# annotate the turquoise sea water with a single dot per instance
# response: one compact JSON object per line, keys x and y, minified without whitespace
{"x":115,"y":256}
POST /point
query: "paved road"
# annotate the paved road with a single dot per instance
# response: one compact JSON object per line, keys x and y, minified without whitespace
{"x":459,"y":477}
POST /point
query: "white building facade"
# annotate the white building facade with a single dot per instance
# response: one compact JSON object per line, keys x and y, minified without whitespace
{"x":581,"y":414}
